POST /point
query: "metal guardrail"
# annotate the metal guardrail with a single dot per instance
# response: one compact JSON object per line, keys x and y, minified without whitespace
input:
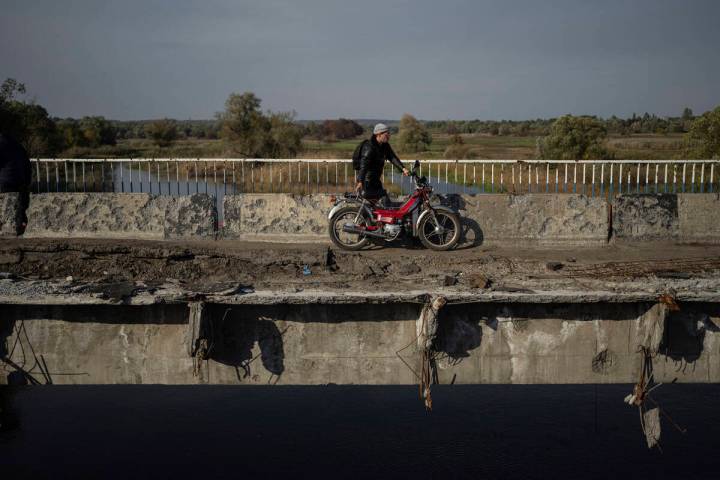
{"x":175,"y":176}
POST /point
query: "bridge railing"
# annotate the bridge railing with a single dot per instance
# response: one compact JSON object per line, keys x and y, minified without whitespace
{"x":221,"y":176}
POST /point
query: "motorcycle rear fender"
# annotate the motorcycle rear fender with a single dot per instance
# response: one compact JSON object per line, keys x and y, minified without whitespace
{"x":345,"y":202}
{"x":426,"y":212}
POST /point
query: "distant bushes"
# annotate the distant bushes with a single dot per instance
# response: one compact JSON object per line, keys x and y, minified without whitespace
{"x":163,"y":132}
{"x":574,"y":138}
{"x":703,"y":139}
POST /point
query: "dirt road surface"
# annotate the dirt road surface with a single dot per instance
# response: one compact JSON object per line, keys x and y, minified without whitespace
{"x":656,"y":267}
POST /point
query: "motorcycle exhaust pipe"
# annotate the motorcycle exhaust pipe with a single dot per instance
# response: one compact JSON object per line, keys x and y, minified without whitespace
{"x":355,"y":229}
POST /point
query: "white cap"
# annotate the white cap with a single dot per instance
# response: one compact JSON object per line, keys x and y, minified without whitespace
{"x":380,"y":128}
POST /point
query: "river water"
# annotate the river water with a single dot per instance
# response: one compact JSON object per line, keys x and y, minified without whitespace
{"x":353,"y":432}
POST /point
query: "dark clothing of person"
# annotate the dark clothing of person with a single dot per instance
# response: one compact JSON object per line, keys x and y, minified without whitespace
{"x":372,"y":162}
{"x":15,"y":171}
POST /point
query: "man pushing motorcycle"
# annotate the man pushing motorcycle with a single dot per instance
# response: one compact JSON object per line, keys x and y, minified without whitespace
{"x":354,"y":220}
{"x":373,"y":154}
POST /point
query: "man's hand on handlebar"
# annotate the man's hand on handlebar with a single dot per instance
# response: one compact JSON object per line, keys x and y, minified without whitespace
{"x":358,"y":187}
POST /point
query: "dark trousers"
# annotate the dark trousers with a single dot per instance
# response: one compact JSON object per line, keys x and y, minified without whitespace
{"x":374,"y":190}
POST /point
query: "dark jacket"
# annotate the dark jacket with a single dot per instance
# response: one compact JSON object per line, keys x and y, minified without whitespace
{"x":15,"y":172}
{"x":372,"y":161}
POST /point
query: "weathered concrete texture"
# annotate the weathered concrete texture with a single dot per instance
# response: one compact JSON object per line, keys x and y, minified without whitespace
{"x":699,"y":217}
{"x":193,"y":216}
{"x":276,"y":217}
{"x":10,"y":214}
{"x":645,"y":217}
{"x":534,"y":218}
{"x":544,"y":219}
{"x":120,"y":215}
{"x":361,"y":344}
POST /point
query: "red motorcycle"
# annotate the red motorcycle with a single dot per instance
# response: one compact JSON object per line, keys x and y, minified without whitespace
{"x":355,"y":220}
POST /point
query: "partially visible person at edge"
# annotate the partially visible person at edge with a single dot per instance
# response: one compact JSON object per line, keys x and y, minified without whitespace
{"x":15,"y":172}
{"x":372,"y":162}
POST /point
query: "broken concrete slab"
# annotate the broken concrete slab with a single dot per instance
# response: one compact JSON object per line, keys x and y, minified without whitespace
{"x":699,"y":217}
{"x":310,"y":343}
{"x":120,"y":215}
{"x":276,"y":217}
{"x":543,"y":219}
{"x":685,"y":218}
{"x":645,"y":217}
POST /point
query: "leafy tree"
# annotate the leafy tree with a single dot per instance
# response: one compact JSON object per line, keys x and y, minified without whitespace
{"x":285,"y":137}
{"x":504,"y":130}
{"x":574,"y":138}
{"x":686,"y":119}
{"x":28,"y":123}
{"x":70,"y":133}
{"x":413,"y":136}
{"x":163,"y":132}
{"x":10,"y":89}
{"x":703,"y":138}
{"x":199,"y":131}
{"x":97,"y":131}
{"x":244,"y":127}
{"x":251,"y":134}
{"x":39,"y":134}
{"x":212,"y":132}
{"x":312,"y":130}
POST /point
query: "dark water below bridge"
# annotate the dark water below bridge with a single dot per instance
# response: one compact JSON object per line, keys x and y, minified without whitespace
{"x":350,"y":432}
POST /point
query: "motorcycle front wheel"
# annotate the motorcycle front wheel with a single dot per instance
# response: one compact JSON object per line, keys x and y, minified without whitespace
{"x":345,"y":240}
{"x":440,"y":231}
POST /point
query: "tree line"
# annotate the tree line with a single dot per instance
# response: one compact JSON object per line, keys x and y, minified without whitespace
{"x":636,"y":124}
{"x":248,"y":131}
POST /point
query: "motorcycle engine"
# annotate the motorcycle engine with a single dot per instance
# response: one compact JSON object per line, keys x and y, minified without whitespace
{"x":391,"y":232}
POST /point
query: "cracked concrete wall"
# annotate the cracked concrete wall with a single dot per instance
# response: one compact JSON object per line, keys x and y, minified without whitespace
{"x":544,"y":219}
{"x":563,"y":219}
{"x":699,"y":217}
{"x":689,"y":217}
{"x":192,"y":216}
{"x":534,"y":218}
{"x":551,"y":219}
{"x":645,"y":217}
{"x":362,"y":344}
{"x":120,"y":215}
{"x":276,"y":217}
{"x":10,"y":214}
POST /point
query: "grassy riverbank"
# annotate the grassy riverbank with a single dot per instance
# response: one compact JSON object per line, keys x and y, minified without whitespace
{"x":474,"y":146}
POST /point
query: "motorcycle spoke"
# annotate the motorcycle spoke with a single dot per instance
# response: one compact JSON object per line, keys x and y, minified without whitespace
{"x":345,"y":237}
{"x":442,"y":232}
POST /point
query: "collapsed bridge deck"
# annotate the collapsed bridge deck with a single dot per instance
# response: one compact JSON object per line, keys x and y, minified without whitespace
{"x":101,"y":311}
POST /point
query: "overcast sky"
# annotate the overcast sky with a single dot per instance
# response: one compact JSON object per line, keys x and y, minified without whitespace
{"x":450,"y":59}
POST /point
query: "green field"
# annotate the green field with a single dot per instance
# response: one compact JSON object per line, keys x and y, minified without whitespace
{"x":475,"y":147}
{"x":482,"y":146}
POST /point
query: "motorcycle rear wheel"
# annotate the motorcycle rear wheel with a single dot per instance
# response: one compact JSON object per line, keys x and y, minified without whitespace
{"x":441,"y":232}
{"x":345,"y":240}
